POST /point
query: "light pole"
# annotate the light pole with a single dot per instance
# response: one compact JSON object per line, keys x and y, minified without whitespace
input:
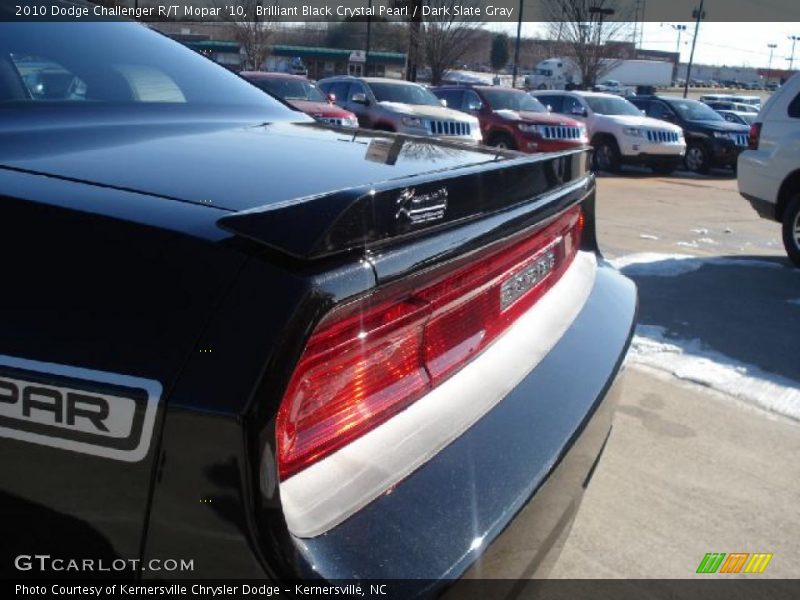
{"x":698,"y":14}
{"x":769,"y":66}
{"x":680,"y":29}
{"x":516,"y":47}
{"x":369,"y":39}
{"x":601,"y":14}
{"x":794,"y":39}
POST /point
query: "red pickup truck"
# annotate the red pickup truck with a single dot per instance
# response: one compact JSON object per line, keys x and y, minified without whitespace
{"x":514,"y":119}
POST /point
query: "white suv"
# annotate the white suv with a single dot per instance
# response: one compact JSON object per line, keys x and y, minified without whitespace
{"x":619,"y":132}
{"x":769,"y":173}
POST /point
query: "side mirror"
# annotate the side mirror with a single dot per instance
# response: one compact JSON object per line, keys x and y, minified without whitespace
{"x":359,"y":98}
{"x":443,"y":102}
{"x":331,"y":97}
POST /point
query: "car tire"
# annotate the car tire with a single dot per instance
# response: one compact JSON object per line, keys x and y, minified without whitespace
{"x":606,"y":155}
{"x":502,"y":141}
{"x":665,"y":168}
{"x":791,"y":229}
{"x":697,"y":159}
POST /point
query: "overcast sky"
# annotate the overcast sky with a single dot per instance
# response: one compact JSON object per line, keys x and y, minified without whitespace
{"x":731,"y":44}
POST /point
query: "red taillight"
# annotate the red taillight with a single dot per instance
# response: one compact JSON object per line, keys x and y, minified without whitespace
{"x":754,"y":136}
{"x":370,"y":359}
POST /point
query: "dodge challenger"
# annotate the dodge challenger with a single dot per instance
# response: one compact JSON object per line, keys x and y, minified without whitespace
{"x":237,"y":340}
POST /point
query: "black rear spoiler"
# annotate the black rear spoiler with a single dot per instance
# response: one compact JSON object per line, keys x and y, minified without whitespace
{"x":369,"y":216}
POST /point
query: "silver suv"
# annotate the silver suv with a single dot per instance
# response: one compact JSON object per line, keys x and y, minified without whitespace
{"x":401,"y":106}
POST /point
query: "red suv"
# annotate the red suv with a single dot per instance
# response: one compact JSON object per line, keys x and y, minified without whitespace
{"x":514,"y":119}
{"x":303,"y":95}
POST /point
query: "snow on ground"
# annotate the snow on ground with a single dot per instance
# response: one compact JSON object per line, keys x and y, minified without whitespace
{"x":689,"y":359}
{"x":655,"y":264}
{"x":647,"y":236}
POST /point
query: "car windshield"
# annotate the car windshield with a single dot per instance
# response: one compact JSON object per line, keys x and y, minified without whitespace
{"x":407,"y":93}
{"x":605,"y":105}
{"x":513,"y":100}
{"x":290,"y":88}
{"x":693,"y":110}
{"x":137,"y":66}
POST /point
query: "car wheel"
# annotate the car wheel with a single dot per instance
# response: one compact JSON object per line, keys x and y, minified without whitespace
{"x":696,"y":159}
{"x":791,"y":229}
{"x":606,"y":156}
{"x":665,"y":168}
{"x":503,"y":141}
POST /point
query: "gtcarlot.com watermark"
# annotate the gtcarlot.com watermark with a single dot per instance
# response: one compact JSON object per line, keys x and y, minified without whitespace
{"x":45,"y":563}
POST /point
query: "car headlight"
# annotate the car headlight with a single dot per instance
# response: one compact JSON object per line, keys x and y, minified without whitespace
{"x":412,"y":122}
{"x":633,"y":131}
{"x":529,"y":128}
{"x":350,"y":122}
{"x":584,"y":133}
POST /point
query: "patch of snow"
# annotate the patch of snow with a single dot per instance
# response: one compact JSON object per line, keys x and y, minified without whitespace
{"x":700,"y":231}
{"x":655,"y":264}
{"x":690,"y":361}
{"x":708,"y":241}
{"x":647,"y":236}
{"x":687,"y":244}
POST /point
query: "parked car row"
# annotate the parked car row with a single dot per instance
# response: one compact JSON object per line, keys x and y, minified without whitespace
{"x":661,"y":132}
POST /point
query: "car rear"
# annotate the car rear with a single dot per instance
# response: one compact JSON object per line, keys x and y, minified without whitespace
{"x":444,"y":380}
{"x":397,"y":368}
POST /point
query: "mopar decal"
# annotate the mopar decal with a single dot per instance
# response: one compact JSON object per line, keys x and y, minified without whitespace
{"x":421,"y":208}
{"x":76,"y":409}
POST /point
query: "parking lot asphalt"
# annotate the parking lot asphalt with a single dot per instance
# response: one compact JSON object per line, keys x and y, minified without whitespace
{"x":689,"y":469}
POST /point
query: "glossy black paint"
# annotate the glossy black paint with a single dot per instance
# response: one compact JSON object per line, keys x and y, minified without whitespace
{"x":721,"y":152}
{"x":114,"y":261}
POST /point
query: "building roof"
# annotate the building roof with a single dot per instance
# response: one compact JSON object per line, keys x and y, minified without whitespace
{"x":336,"y":53}
{"x":213,"y":46}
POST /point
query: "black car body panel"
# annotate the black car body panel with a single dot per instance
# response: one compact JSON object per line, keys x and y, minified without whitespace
{"x":722,"y":152}
{"x":157,"y":273}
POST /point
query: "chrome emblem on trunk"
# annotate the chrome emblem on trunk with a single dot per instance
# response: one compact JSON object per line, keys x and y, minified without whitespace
{"x":513,"y":288}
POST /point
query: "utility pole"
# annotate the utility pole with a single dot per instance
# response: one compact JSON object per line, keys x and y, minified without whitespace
{"x":769,"y":67}
{"x":516,"y":47}
{"x":698,"y":14}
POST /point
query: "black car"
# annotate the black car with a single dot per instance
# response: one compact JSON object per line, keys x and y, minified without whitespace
{"x":711,"y":141}
{"x":257,"y":347}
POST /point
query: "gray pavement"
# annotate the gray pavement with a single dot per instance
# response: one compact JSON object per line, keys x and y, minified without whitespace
{"x":688,"y":470}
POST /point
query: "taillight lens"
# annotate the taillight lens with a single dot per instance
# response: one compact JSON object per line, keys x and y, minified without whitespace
{"x":754,"y":137}
{"x":370,"y":359}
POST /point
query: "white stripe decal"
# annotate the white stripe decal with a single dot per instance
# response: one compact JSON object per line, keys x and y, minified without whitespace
{"x":320,"y":497}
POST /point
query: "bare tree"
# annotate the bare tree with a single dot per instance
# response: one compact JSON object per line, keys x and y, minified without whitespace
{"x":444,"y":40}
{"x":254,"y":33}
{"x":589,"y":32}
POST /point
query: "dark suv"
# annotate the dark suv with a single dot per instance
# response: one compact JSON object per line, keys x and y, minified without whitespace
{"x":711,"y":141}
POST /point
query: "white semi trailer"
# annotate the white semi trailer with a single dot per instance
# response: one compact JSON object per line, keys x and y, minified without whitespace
{"x":559,"y":73}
